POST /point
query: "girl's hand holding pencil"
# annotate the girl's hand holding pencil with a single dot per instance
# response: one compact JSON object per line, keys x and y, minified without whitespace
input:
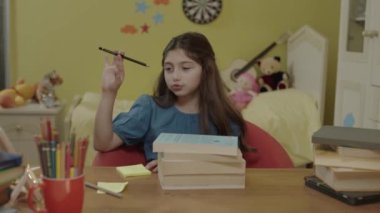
{"x":113,"y":74}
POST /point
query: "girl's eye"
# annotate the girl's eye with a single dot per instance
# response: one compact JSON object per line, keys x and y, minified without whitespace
{"x":168,"y":69}
{"x":186,"y":68}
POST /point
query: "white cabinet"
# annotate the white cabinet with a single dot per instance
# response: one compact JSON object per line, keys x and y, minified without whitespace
{"x":21,"y":124}
{"x":358,"y":78}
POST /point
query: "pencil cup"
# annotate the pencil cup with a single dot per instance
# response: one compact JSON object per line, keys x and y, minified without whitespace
{"x":60,"y":195}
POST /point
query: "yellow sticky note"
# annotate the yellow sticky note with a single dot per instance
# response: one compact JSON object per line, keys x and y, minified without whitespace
{"x":116,"y":187}
{"x":134,"y":170}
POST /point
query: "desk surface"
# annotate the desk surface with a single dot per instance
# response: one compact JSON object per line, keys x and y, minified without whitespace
{"x":267,"y":190}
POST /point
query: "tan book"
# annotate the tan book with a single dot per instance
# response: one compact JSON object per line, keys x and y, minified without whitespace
{"x":196,"y":143}
{"x":217,"y":181}
{"x":184,"y":167}
{"x":346,"y":179}
{"x":8,"y":175}
{"x":359,"y":153}
{"x":200,"y":157}
{"x":332,"y":159}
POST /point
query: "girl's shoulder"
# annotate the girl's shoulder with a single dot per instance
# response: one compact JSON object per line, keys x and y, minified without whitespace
{"x":145,"y":100}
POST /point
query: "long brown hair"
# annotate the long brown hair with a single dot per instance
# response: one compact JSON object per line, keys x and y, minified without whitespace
{"x":214,"y":105}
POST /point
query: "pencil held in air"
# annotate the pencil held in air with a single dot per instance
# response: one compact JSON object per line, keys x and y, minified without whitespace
{"x":124,"y":57}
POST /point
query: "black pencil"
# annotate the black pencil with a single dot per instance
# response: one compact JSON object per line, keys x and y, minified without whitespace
{"x":124,"y":57}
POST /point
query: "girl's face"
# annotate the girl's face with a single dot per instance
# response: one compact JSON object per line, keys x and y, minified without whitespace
{"x":182,"y":74}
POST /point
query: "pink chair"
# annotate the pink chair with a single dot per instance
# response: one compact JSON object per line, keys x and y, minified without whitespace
{"x":122,"y":156}
{"x":269,"y":154}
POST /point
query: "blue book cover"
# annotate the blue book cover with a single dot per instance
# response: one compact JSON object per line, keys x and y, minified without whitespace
{"x":9,"y":160}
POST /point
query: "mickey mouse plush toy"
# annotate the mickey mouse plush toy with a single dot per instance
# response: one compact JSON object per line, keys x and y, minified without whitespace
{"x":272,"y":78}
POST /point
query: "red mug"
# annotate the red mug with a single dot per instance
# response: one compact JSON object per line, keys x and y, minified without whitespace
{"x":60,"y":195}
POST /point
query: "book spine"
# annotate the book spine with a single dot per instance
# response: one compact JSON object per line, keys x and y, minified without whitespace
{"x":195,"y":143}
{"x":354,"y":181}
{"x":332,"y":159}
{"x":360,"y":153}
{"x":173,"y":167}
{"x":174,"y":182}
{"x":205,"y":157}
{"x":348,"y":137}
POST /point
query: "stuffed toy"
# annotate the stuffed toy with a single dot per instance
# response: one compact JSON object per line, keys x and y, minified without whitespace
{"x":272,"y":78}
{"x":246,"y":88}
{"x":18,"y":95}
{"x":45,"y":92}
{"x":42,"y":92}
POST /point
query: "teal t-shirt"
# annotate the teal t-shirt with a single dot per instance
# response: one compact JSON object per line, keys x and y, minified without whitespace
{"x":146,"y":120}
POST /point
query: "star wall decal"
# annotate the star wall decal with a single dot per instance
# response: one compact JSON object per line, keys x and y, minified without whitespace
{"x":141,"y":6}
{"x":150,"y":14}
{"x":145,"y":28}
{"x":158,"y":18}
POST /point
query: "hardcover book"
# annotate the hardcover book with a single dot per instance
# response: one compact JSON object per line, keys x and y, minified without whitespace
{"x":211,"y":181}
{"x":188,"y":167}
{"x":359,"y":153}
{"x":346,"y":179}
{"x":333,"y":159}
{"x":8,"y":175}
{"x":351,"y":198}
{"x":200,"y":157}
{"x":7,"y":178}
{"x":9,"y":160}
{"x":348,"y":137}
{"x":196,"y":143}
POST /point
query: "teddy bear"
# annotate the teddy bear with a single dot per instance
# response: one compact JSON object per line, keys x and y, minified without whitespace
{"x":17,"y":95}
{"x":246,"y":88}
{"x":45,"y":91}
{"x":272,"y":78}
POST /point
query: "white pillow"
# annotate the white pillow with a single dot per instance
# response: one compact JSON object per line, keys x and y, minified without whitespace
{"x":291,"y":117}
{"x":83,"y":119}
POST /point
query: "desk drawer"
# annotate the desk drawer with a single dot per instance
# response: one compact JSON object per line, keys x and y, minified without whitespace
{"x":29,"y":151}
{"x":21,"y":127}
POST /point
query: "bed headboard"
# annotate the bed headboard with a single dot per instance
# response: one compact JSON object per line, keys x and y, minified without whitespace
{"x":307,"y":63}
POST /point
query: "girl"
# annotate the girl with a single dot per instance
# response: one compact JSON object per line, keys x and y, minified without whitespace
{"x":189,"y":98}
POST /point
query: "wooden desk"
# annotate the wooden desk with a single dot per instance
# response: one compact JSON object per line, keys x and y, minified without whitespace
{"x":266,"y":190}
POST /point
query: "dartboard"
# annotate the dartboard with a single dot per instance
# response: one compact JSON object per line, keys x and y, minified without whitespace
{"x":202,"y":11}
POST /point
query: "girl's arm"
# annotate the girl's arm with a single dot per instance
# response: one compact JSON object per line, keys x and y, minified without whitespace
{"x":113,"y":75}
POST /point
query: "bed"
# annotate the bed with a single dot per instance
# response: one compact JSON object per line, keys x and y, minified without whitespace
{"x":291,"y":116}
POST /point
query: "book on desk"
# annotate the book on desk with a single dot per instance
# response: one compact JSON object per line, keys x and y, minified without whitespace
{"x":10,"y":170}
{"x":347,"y":159}
{"x":196,"y":143}
{"x":9,"y":160}
{"x":187,"y":161}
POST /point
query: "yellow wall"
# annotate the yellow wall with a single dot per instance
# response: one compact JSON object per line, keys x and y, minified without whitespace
{"x":65,"y":35}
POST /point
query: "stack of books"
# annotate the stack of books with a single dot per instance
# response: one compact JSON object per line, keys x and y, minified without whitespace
{"x":10,"y":170}
{"x":348,"y":159}
{"x":190,"y":161}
